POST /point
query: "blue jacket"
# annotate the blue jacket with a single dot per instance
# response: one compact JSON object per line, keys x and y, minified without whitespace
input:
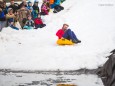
{"x":2,"y":16}
{"x":30,"y":8}
{"x":57,"y":2}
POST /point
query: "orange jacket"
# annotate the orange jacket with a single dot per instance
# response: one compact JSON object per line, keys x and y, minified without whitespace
{"x":51,"y":1}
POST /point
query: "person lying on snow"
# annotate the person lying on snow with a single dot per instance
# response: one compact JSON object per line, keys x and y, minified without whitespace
{"x":29,"y":23}
{"x":38,"y":22}
{"x":11,"y":19}
{"x":66,"y":33}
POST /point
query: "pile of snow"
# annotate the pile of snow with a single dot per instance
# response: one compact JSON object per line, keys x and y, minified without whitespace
{"x":37,"y":49}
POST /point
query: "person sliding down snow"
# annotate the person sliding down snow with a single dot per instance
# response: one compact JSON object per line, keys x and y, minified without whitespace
{"x":66,"y":33}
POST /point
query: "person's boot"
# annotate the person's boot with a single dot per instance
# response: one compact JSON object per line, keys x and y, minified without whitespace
{"x":62,"y":8}
{"x":79,"y":41}
{"x":54,"y":11}
{"x":76,"y":41}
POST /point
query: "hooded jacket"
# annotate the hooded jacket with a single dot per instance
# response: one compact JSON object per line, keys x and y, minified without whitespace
{"x":60,"y":33}
{"x":38,"y":21}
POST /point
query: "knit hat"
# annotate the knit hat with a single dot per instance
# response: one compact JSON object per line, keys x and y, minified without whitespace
{"x":9,"y":9}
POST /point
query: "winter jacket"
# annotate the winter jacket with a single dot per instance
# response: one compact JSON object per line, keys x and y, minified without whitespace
{"x":57,"y":2}
{"x":10,"y":17}
{"x":60,"y":33}
{"x":30,"y":8}
{"x":51,"y":1}
{"x":2,"y":16}
{"x":44,"y":9}
{"x":23,"y":13}
{"x":38,"y":21}
{"x":30,"y":23}
{"x":36,"y":8}
{"x":35,"y":11}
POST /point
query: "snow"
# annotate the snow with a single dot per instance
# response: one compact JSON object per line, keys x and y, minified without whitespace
{"x":92,"y":21}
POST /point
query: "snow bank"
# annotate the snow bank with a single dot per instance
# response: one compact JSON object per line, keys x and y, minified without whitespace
{"x":37,"y":49}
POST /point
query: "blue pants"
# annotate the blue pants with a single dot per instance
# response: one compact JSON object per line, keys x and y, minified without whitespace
{"x":70,"y":35}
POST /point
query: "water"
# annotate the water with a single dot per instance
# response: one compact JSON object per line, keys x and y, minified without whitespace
{"x":39,"y":79}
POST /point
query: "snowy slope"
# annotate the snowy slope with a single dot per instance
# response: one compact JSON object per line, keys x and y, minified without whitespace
{"x":92,"y":21}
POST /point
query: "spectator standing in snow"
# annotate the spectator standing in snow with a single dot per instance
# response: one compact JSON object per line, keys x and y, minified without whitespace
{"x":66,"y":33}
{"x":38,"y":22}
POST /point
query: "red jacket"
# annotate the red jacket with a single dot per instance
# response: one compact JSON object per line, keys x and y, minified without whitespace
{"x":60,"y":33}
{"x":38,"y":21}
